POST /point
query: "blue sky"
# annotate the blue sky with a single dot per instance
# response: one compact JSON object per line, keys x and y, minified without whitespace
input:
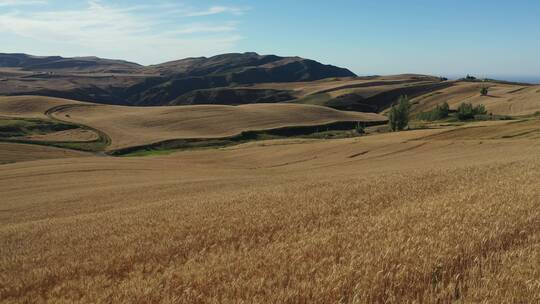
{"x":485,"y":38}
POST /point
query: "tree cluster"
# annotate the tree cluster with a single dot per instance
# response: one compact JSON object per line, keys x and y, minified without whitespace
{"x":467,"y":111}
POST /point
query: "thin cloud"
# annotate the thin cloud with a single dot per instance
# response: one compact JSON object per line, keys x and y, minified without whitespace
{"x":21,"y":2}
{"x":214,"y":10}
{"x":205,"y":28}
{"x":145,"y":36}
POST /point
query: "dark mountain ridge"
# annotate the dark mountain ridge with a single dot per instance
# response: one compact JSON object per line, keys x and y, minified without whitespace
{"x":174,"y":82}
{"x":57,"y":63}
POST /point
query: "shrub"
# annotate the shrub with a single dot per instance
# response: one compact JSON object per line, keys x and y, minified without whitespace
{"x":466,"y":111}
{"x":398,"y":118}
{"x":360,"y":128}
{"x":440,"y":112}
{"x":484,"y":91}
{"x":479,"y":110}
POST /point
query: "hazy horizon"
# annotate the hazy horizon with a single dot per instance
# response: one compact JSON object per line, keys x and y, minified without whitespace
{"x":532,"y":79}
{"x":421,"y":37}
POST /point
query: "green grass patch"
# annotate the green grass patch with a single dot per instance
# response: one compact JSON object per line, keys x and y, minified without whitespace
{"x":485,"y":117}
{"x":150,"y":152}
{"x":17,"y":127}
{"x":453,"y":118}
{"x":170,"y":147}
{"x":332,"y":135}
{"x":90,"y":146}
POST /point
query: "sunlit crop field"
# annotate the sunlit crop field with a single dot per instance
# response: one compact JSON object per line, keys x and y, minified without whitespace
{"x":392,"y":218}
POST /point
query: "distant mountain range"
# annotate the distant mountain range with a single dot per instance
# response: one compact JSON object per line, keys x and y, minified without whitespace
{"x":57,"y":63}
{"x":186,"y":81}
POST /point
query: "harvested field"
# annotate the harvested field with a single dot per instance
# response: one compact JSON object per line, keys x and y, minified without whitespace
{"x":522,"y":129}
{"x":137,"y":126}
{"x":30,"y":106}
{"x":503,"y":99}
{"x":133,"y":126}
{"x":303,"y":89}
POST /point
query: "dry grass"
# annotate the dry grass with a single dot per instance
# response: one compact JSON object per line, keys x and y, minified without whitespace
{"x":392,"y":218}
{"x":503,"y":99}
{"x":133,"y":126}
{"x":375,"y":83}
{"x":520,"y":129}
{"x":14,"y":152}
{"x":67,"y":135}
{"x":30,"y":106}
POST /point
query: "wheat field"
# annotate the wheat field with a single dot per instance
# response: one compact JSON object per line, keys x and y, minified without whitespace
{"x":428,"y":216}
{"x":136,"y":126}
{"x":11,"y":153}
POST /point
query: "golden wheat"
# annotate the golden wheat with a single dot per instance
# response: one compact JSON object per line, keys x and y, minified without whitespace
{"x":429,"y":216}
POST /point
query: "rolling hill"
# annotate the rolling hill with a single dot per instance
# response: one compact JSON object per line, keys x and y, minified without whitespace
{"x":277,"y":220}
{"x":136,"y":126}
{"x":247,"y":78}
{"x":61,"y":64}
{"x":120,"y":127}
{"x":503,"y":98}
{"x":119,"y":82}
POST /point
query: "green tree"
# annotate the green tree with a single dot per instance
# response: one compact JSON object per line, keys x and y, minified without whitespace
{"x":398,"y":118}
{"x":360,"y":128}
{"x":465,"y":111}
{"x":443,"y":110}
